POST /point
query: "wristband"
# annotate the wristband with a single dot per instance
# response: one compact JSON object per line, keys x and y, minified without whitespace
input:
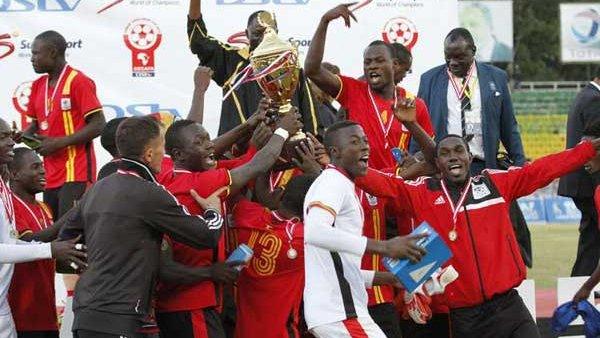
{"x":282,"y":132}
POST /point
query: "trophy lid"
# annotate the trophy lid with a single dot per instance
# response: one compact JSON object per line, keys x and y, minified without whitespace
{"x":271,"y":44}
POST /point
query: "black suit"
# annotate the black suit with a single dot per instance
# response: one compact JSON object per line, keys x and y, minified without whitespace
{"x":580,"y":186}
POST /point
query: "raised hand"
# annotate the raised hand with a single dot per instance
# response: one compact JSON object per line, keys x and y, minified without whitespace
{"x":290,"y":121}
{"x":260,"y":114}
{"x":342,"y":11}
{"x":307,"y":160}
{"x":202,"y":77}
{"x":406,"y":110}
{"x":261,"y":136}
{"x":320,"y":151}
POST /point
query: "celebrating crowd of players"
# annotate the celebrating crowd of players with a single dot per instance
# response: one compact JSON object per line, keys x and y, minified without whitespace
{"x":149,"y":237}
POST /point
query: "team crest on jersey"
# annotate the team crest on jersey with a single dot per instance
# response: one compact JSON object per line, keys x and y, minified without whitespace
{"x":480,"y":191}
{"x":372,"y":200}
{"x":65,"y":103}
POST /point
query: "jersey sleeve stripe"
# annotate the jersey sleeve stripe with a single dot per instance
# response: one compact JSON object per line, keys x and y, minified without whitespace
{"x":92,"y":112}
{"x":322,"y":206}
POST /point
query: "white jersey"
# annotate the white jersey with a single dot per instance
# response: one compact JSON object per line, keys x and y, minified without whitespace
{"x":333,"y":249}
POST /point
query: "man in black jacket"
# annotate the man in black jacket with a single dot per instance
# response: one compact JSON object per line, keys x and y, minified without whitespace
{"x":579,"y":185}
{"x":122,"y":219}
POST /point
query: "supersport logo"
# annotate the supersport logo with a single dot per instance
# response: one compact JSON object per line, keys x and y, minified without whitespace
{"x":9,"y":45}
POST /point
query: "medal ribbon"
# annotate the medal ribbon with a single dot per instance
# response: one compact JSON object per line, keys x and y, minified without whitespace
{"x":384,"y":129}
{"x":49,"y":102}
{"x":40,"y":226}
{"x":5,"y":195}
{"x":461,"y":200}
{"x":459,"y":90}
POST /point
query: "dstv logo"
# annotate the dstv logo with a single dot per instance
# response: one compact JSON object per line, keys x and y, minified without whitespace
{"x":38,"y":5}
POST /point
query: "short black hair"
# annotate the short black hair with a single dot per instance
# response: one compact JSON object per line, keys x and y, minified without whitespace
{"x":295,"y":190}
{"x":383,"y":43}
{"x":330,"y":135}
{"x":134,"y":134}
{"x":401,"y":53}
{"x":17,"y":163}
{"x":592,"y":129}
{"x":108,"y":137}
{"x":461,"y":33}
{"x":55,"y":39}
{"x":173,"y":138}
{"x":437,"y":146}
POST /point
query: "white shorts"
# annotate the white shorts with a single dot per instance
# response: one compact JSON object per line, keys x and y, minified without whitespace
{"x":363,"y":327}
{"x":7,"y":326}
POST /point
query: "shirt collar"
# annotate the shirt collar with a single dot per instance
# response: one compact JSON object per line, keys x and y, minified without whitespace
{"x":137,"y":167}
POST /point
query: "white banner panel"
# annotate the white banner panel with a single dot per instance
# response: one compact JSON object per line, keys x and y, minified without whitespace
{"x":491,"y":23}
{"x":579,"y":32}
{"x":160,"y":77}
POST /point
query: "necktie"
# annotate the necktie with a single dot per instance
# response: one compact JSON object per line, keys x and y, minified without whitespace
{"x":465,"y":104}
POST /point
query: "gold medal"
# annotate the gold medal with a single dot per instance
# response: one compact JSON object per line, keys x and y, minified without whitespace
{"x":292,"y":253}
{"x":452,"y":235}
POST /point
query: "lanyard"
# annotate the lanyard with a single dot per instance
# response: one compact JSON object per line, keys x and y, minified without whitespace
{"x":460,"y":91}
{"x":5,"y":195}
{"x":384,"y":129}
{"x":40,"y":226}
{"x":461,"y":200}
{"x":273,"y":182}
{"x":48,"y":102}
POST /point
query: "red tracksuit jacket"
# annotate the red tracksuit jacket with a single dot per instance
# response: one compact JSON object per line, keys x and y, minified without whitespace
{"x":485,"y":252}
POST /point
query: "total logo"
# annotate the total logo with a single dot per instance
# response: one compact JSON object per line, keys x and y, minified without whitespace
{"x":38,"y":5}
{"x":401,"y":30}
{"x":262,"y":2}
{"x":585,"y":26}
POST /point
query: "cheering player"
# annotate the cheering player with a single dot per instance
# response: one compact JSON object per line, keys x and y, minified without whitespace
{"x":31,"y":294}
{"x":275,"y":274}
{"x":367,"y":103}
{"x":227,"y":61}
{"x":14,"y":250}
{"x":181,"y":308}
{"x":66,"y":116}
{"x":335,"y":298}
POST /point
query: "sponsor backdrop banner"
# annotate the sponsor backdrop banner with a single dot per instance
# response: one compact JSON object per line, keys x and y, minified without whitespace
{"x":136,"y":50}
{"x":579,"y":32}
{"x":491,"y":23}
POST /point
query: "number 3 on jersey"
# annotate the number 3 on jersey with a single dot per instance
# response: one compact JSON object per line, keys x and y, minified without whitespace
{"x":268,"y":246}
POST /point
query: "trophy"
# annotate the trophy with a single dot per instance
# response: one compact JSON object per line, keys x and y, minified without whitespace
{"x":275,"y":68}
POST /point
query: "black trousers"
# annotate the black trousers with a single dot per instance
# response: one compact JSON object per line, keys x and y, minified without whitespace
{"x":61,"y":199}
{"x":202,"y":323}
{"x":386,"y":317}
{"x":37,"y":334}
{"x":588,"y":249}
{"x":438,"y":326}
{"x":94,"y":334}
{"x":505,"y":316}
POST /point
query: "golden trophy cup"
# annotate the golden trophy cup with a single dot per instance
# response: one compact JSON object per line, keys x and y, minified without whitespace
{"x":276,"y":69}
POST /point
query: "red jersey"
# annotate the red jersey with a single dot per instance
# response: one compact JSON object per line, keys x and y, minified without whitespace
{"x":485,"y":251}
{"x":376,"y":116}
{"x":61,"y":111}
{"x":270,"y":287}
{"x":374,"y":227}
{"x":174,"y":297}
{"x":31,"y":294}
{"x":597,"y":200}
{"x":279,"y":179}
